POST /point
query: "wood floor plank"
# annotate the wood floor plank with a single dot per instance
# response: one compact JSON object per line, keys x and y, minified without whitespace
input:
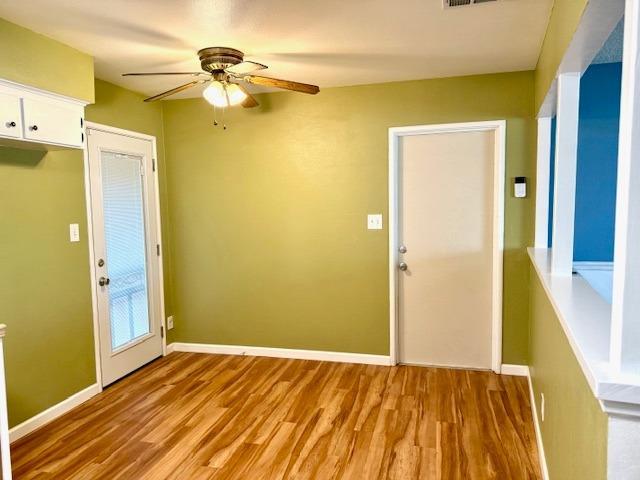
{"x":196,"y":417}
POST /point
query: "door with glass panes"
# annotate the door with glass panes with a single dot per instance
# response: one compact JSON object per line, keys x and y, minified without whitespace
{"x":126,"y":251}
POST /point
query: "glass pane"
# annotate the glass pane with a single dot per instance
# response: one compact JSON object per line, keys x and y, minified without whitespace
{"x":125,"y":247}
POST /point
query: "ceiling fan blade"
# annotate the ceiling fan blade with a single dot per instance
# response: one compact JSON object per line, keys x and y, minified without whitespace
{"x":285,"y":84}
{"x":250,"y":101}
{"x":144,"y":74}
{"x":174,"y":90}
{"x":244,"y":67}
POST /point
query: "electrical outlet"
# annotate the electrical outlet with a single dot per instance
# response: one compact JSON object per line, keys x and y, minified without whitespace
{"x":542,"y":406}
{"x":170,"y":323}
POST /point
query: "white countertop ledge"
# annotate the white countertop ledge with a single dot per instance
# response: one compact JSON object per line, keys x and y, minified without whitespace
{"x":586,"y":320}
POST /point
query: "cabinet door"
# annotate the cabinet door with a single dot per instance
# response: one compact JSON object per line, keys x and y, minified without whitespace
{"x":52,"y":122}
{"x":10,"y":122}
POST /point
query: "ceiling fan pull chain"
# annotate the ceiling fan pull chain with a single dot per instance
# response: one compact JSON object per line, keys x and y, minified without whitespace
{"x":215,"y":122}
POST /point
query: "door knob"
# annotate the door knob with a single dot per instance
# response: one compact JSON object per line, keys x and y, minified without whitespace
{"x":402,"y":249}
{"x":402,"y":266}
{"x":103,"y":281}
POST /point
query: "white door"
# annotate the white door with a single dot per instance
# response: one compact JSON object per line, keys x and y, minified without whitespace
{"x":126,"y":251}
{"x":446,"y":241}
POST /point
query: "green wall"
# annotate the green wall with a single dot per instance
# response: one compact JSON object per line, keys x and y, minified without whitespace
{"x":36,"y":60}
{"x":45,"y":296}
{"x":563,"y":23}
{"x":44,"y":280}
{"x":269,"y":238}
{"x":575,"y":428}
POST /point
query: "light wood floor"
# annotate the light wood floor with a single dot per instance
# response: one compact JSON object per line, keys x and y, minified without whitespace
{"x":193,"y":416}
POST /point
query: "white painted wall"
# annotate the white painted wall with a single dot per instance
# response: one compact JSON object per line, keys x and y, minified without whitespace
{"x":566,"y":160}
{"x":625,"y":313}
{"x":543,"y":171}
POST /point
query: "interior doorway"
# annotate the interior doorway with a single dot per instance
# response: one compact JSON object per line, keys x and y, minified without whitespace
{"x":446,"y":244}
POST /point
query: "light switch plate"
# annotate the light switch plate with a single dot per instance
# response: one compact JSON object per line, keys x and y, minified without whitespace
{"x":374,"y":221}
{"x":74,"y":232}
{"x":170,"y":323}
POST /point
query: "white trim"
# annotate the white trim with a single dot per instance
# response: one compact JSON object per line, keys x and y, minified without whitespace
{"x":38,"y":92}
{"x":499,"y":126}
{"x":53,"y":412}
{"x":536,"y":424}
{"x":599,"y":19}
{"x":611,"y":407}
{"x":543,"y":172}
{"x":593,"y":266}
{"x":566,"y":164}
{"x":88,"y":202}
{"x":625,"y":307}
{"x":119,"y":131}
{"x":92,"y":263}
{"x":5,"y":450}
{"x":517,"y":370}
{"x":320,"y":355}
{"x":394,"y":143}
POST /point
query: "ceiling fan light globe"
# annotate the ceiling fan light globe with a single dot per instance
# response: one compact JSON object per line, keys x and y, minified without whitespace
{"x":236,"y":95}
{"x":214,"y":94}
{"x":221,"y":95}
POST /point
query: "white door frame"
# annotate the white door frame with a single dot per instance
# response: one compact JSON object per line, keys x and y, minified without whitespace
{"x":395,"y":133}
{"x":88,"y":201}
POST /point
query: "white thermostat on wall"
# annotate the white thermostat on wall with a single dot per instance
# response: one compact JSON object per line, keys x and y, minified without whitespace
{"x":374,"y":221}
{"x":520,"y":187}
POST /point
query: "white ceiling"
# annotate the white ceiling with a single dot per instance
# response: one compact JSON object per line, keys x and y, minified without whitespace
{"x":325,"y":42}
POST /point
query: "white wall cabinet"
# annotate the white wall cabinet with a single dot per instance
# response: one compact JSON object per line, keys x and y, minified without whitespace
{"x":35,"y":119}
{"x":10,"y":118}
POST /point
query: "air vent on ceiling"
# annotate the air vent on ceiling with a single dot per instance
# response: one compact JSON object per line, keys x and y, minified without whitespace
{"x":463,"y":3}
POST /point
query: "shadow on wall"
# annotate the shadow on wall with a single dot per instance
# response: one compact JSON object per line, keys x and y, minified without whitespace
{"x":21,"y":158}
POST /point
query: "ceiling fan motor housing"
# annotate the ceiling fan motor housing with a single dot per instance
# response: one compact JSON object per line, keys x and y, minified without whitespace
{"x":216,"y":59}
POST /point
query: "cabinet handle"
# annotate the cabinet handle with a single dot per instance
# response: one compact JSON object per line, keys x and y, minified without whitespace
{"x":11,"y":124}
{"x":33,"y":127}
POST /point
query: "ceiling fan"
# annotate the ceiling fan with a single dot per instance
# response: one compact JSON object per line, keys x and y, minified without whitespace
{"x":224,"y":68}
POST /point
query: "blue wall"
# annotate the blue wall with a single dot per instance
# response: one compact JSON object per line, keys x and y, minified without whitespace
{"x":597,"y":163}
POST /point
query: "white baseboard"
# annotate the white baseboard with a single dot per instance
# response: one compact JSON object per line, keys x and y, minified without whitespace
{"x":523,"y":371}
{"x":536,"y":424}
{"x":517,"y":370}
{"x":593,"y":265}
{"x":280,"y":353}
{"x":53,"y":412}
